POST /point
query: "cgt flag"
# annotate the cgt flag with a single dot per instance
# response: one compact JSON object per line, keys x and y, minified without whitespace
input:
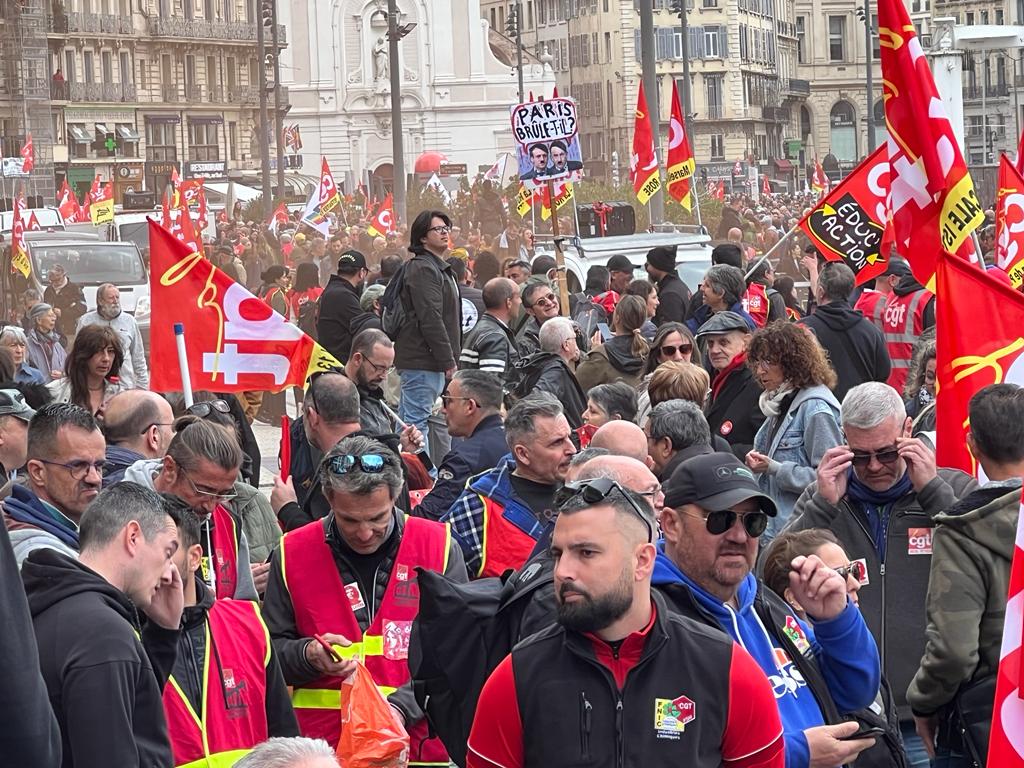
{"x":235,"y":341}
{"x":67,"y":203}
{"x":643,"y":166}
{"x":848,"y":224}
{"x":28,"y":155}
{"x":1010,"y":222}
{"x":384,"y":221}
{"x":680,"y":156}
{"x":563,"y":194}
{"x":934,"y":206}
{"x":819,"y":181}
{"x":19,"y":253}
{"x":324,"y":200}
{"x":972,"y":354}
{"x":101,"y":202}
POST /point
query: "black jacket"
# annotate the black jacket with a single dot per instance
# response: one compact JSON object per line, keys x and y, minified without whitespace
{"x":909,"y":284}
{"x":528,"y":338}
{"x":734,"y":413}
{"x":480,"y":451}
{"x":490,"y":346}
{"x":730,"y":219}
{"x":854,"y":344}
{"x":362,"y":321}
{"x":674,"y":298}
{"x":29,"y":735}
{"x":188,"y":667}
{"x":430,"y":339}
{"x":105,"y":685}
{"x":339,"y":306}
{"x":71,"y":302}
{"x":548,"y":372}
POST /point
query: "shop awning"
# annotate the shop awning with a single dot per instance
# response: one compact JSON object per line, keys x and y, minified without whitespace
{"x":78,"y":134}
{"x":101,"y":129}
{"x":783,"y":165}
{"x":206,"y":119}
{"x":127,"y":133}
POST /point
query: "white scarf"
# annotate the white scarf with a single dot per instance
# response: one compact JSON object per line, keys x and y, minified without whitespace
{"x":771,"y":401}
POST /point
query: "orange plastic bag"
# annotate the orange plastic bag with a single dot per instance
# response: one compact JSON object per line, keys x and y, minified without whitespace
{"x":371,"y":734}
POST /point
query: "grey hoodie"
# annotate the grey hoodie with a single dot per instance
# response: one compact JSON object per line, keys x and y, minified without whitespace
{"x":143,"y":472}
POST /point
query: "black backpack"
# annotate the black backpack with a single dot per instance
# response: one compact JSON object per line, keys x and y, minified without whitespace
{"x":461,"y":633}
{"x":587,"y":314}
{"x":393,"y":314}
{"x":309,"y":315}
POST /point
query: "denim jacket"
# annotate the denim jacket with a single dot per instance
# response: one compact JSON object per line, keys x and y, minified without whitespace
{"x":809,"y":428}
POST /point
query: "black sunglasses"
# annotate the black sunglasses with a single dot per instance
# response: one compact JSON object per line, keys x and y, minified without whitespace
{"x":717,"y":523}
{"x":857,"y":569}
{"x":370,"y":463}
{"x":205,"y":408}
{"x":311,"y":384}
{"x":885,"y":456}
{"x":669,"y":349}
{"x":595,"y":491}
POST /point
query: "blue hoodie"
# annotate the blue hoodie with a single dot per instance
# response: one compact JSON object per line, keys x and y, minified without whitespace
{"x":25,"y":507}
{"x":847,"y":657}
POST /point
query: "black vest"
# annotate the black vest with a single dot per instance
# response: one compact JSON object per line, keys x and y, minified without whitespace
{"x":672,"y":710}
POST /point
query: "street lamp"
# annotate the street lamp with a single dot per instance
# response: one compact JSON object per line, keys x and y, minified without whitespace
{"x":680,"y":7}
{"x":864,"y":14}
{"x":395,"y":33}
{"x":514,"y":27}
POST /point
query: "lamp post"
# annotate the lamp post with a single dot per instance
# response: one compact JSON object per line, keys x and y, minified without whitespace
{"x":679,"y":6}
{"x":397,"y":144}
{"x":278,"y":110}
{"x":514,"y":27}
{"x":865,"y":13}
{"x":266,"y":14}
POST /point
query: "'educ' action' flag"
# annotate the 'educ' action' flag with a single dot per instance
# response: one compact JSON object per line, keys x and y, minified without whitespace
{"x":980,"y":338}
{"x":1010,"y":222}
{"x":234,"y":341}
{"x":849,"y":223}
{"x":934,"y":206}
{"x":680,"y":156}
{"x":643,"y":166}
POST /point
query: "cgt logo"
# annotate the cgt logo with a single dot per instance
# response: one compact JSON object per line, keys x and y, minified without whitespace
{"x":671,"y":716}
{"x":919,"y":541}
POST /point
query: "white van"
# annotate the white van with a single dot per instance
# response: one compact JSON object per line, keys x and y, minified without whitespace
{"x":49,"y":218}
{"x":133,"y":227}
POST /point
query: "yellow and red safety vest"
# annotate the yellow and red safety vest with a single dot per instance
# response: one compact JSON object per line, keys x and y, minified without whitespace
{"x":903,"y":324}
{"x":225,"y":552}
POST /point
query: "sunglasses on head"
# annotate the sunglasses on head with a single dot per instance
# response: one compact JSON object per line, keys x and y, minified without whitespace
{"x":370,"y":463}
{"x":857,"y":569}
{"x":717,"y":523}
{"x":885,"y":456}
{"x":597,"y":490}
{"x":670,"y":349}
{"x":205,"y":408}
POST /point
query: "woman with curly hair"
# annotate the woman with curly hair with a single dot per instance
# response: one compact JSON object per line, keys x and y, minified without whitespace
{"x":919,"y":391}
{"x":92,"y":370}
{"x":801,"y":414}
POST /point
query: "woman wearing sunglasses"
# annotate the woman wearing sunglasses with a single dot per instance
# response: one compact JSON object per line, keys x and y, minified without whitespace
{"x":801,"y":413}
{"x":673,"y":342}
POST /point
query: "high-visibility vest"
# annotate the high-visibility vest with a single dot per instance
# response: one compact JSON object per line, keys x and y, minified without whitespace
{"x":322,"y":604}
{"x":903,"y":324}
{"x":233,"y":716}
{"x":755,"y":302}
{"x":872,"y":305}
{"x":510,"y":534}
{"x":224,"y":556}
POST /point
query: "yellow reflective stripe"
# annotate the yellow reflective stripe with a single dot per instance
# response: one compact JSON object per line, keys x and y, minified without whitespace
{"x":447,"y":545}
{"x":483,"y":535}
{"x":219,"y":760}
{"x":284,"y":574}
{"x":326,"y":698}
{"x":266,"y":633}
{"x":371,"y":645}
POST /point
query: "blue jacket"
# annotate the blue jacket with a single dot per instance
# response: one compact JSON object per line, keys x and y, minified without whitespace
{"x":703,"y":314}
{"x":809,"y":428}
{"x":118,"y":460}
{"x":842,"y":647}
{"x":25,"y":507}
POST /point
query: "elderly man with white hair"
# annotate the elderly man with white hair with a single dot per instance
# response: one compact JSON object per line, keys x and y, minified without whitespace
{"x":552,"y":369}
{"x":879,"y":494}
{"x":134,"y":371}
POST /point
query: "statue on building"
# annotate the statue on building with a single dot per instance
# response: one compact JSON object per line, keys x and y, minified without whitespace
{"x":381,"y":63}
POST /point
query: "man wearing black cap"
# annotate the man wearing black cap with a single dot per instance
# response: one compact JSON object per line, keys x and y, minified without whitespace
{"x":620,"y":270}
{"x":339,"y":304}
{"x":714,"y":513}
{"x":872,"y":300}
{"x":673,"y":294}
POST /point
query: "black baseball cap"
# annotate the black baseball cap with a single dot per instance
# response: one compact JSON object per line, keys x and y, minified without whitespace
{"x":897,"y":267}
{"x":715,"y":481}
{"x":12,"y":403}
{"x":620,"y":263}
{"x":350,"y":262}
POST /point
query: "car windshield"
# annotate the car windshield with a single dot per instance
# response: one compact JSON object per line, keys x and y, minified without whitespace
{"x":135,"y":232}
{"x":91,"y":263}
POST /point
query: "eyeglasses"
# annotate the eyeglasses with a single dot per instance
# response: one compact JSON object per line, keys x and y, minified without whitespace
{"x":857,"y":569}
{"x":379,"y":368}
{"x":597,"y":490}
{"x":549,"y":299}
{"x":440,"y":230}
{"x":446,"y":399}
{"x":79,"y":468}
{"x":222,"y":495}
{"x":717,"y":523}
{"x":205,"y":408}
{"x":670,"y":349}
{"x":885,"y":456}
{"x":370,"y":463}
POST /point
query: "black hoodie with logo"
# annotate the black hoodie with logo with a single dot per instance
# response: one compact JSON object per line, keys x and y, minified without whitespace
{"x":854,"y":345}
{"x":104,"y":674}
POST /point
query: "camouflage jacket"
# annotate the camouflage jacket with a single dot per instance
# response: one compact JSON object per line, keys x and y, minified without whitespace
{"x":972,"y":548}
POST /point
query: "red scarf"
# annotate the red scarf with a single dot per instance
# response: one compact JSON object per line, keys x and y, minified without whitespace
{"x":737,"y":362}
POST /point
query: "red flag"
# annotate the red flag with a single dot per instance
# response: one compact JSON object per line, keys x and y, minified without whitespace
{"x":972,"y":353}
{"x":849,"y":223}
{"x":934,"y":206}
{"x":680,"y":156}
{"x":28,"y":157}
{"x":278,"y":218}
{"x":1006,"y":745}
{"x":324,"y":200}
{"x":19,"y":254}
{"x":201,"y":211}
{"x":643,"y":166}
{"x":1019,"y":165}
{"x":33,"y":223}
{"x":1010,"y":222}
{"x":183,"y":228}
{"x":384,"y":221}
{"x":819,"y":181}
{"x":766,"y":186}
{"x":67,"y":203}
{"x":235,"y":342}
{"x":190,"y":189}
{"x":720,"y":192}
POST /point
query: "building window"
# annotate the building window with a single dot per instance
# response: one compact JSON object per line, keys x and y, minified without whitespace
{"x":69,"y":67}
{"x":837,"y":38}
{"x":843,"y":131}
{"x":87,"y":67}
{"x":717,"y":147}
{"x":999,"y":16}
{"x":713,"y":95}
{"x":160,"y":141}
{"x":711,"y":49}
{"x":202,"y":141}
{"x":801,"y":40}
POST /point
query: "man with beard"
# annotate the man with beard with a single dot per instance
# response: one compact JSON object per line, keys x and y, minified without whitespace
{"x":373,"y":357}
{"x":134,"y":371}
{"x":583,"y":692}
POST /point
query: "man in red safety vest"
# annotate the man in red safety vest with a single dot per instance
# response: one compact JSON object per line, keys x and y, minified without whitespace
{"x":872,"y":301}
{"x":344,"y":588}
{"x":909,"y":311}
{"x":225,"y":694}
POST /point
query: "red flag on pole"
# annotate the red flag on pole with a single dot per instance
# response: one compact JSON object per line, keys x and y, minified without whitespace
{"x":67,"y":203}
{"x":766,"y":185}
{"x":643,"y":166}
{"x":819,"y":181}
{"x":1010,"y":222}
{"x":680,"y":156}
{"x":1019,"y":165}
{"x":934,"y":206}
{"x":28,"y":157}
{"x":236,"y":342}
{"x":384,"y":221}
{"x":19,"y":254}
{"x":33,"y":223}
{"x":278,"y":218}
{"x":720,"y":192}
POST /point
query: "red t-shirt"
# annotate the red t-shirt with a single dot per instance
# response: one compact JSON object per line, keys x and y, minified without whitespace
{"x":753,"y":731}
{"x":296,"y":300}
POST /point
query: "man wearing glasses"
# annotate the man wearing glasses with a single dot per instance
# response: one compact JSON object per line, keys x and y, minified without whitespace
{"x":714,"y":513}
{"x":621,"y":674}
{"x":344,"y":589}
{"x":540,"y":304}
{"x":879,"y":494}
{"x":66,"y":455}
{"x":137,"y":424}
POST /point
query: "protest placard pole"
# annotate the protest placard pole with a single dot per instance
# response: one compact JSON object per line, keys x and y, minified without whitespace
{"x":563,"y":286}
{"x":186,"y":378}
{"x":696,"y":203}
{"x":767,"y":254}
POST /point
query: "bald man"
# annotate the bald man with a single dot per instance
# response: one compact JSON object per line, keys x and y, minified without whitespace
{"x":137,"y":425}
{"x":623,"y":438}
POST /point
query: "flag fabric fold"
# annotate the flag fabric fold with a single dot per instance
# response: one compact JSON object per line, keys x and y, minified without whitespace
{"x":1010,"y":222}
{"x":67,"y":203}
{"x":19,"y":253}
{"x":384,"y":221}
{"x":819,"y":181}
{"x":324,"y":200}
{"x":101,"y":202}
{"x":680,"y":156}
{"x":643,"y":165}
{"x":28,"y":156}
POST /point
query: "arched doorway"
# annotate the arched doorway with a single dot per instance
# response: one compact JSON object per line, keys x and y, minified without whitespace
{"x":843,"y":132}
{"x":382,"y":181}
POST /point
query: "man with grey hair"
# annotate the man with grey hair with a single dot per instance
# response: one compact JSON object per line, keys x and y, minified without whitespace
{"x":879,"y":494}
{"x":348,"y":580}
{"x":134,"y":371}
{"x":502,"y":513}
{"x":676,"y":431}
{"x":370,"y":310}
{"x":104,"y":672}
{"x":551,"y":369}
{"x":295,"y":752}
{"x":540,"y":305}
{"x":855,"y":346}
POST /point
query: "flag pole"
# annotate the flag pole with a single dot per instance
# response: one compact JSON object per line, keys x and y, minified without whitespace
{"x":186,"y":378}
{"x":563,"y":287}
{"x":696,"y":203}
{"x":575,"y":213}
{"x":770,"y":251}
